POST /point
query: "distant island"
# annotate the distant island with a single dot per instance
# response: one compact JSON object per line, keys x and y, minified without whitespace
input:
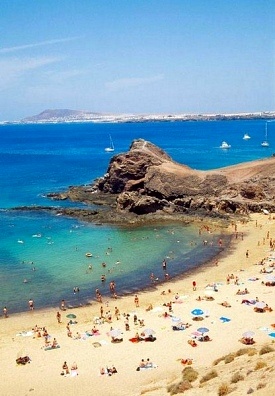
{"x":71,"y":116}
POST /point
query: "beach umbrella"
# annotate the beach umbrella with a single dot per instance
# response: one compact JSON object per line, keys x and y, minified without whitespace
{"x":115,"y":333}
{"x":203,"y":330}
{"x":260,"y":305}
{"x":196,"y":334}
{"x":248,"y":334}
{"x":71,"y":316}
{"x":197,"y":312}
{"x":148,"y":332}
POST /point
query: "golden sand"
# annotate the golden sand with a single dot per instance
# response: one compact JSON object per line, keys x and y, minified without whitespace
{"x":42,"y":376}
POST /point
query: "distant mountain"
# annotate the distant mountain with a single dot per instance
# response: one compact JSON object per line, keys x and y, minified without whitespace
{"x":61,"y":115}
{"x":66,"y":115}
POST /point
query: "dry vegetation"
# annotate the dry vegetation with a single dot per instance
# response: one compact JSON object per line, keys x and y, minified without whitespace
{"x":246,"y":371}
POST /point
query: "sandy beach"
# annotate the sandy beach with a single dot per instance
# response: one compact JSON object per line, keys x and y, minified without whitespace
{"x":226,"y":325}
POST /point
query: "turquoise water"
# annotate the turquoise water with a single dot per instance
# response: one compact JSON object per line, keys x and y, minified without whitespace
{"x":50,"y":251}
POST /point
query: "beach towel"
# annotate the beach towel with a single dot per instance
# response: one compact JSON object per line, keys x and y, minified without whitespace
{"x":48,"y":348}
{"x":25,"y":333}
{"x":91,"y":334}
{"x":224,"y":320}
{"x":135,"y":340}
{"x":266,"y":329}
{"x":195,"y":334}
{"x":147,"y":367}
{"x":178,"y":328}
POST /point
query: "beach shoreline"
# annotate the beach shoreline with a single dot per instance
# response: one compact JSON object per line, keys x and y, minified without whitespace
{"x":178,"y":259}
{"x":42,"y":375}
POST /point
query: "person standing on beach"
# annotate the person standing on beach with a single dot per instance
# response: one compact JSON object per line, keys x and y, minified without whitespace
{"x":194,"y":285}
{"x":117,"y":313}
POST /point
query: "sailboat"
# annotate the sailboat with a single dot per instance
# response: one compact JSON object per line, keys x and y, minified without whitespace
{"x":111,"y":147}
{"x":225,"y":145}
{"x":265,"y":142}
{"x":246,"y":136}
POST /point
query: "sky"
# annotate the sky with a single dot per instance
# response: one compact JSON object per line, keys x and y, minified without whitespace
{"x":136,"y":56}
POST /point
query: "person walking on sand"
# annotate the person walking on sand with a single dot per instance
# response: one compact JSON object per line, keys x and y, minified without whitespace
{"x":136,"y":301}
{"x":58,"y":317}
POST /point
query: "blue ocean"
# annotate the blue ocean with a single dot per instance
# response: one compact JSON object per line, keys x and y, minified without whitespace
{"x":43,"y":256}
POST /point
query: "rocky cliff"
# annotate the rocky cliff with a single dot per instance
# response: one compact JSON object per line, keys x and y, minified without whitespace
{"x":146,"y":180}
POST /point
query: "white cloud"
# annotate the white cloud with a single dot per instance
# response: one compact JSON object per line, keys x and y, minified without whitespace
{"x":12,"y":69}
{"x":59,"y":77}
{"x":132,"y":82}
{"x":33,"y":45}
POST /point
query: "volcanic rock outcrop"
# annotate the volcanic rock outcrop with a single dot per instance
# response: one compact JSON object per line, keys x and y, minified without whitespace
{"x":146,"y":180}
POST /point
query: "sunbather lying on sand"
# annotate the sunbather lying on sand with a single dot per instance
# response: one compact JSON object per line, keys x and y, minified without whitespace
{"x":225,"y":304}
{"x":181,"y":326}
{"x":247,"y":341}
{"x":186,"y":361}
{"x":204,"y":338}
{"x":146,"y":365}
{"x":23,"y":360}
{"x":192,"y":343}
{"x":108,"y":371}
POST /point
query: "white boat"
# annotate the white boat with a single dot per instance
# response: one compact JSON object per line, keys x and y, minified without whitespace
{"x":111,"y":147}
{"x":246,"y":136}
{"x":225,"y":145}
{"x":265,"y":142}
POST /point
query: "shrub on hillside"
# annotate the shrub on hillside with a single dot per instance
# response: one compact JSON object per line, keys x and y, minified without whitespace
{"x":265,"y":349}
{"x":208,"y":376}
{"x":236,"y":377}
{"x":189,"y":374}
{"x":260,"y":364}
{"x":180,"y":387}
{"x":223,"y":389}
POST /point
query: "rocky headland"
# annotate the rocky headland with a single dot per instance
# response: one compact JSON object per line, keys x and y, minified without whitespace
{"x":145,"y":184}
